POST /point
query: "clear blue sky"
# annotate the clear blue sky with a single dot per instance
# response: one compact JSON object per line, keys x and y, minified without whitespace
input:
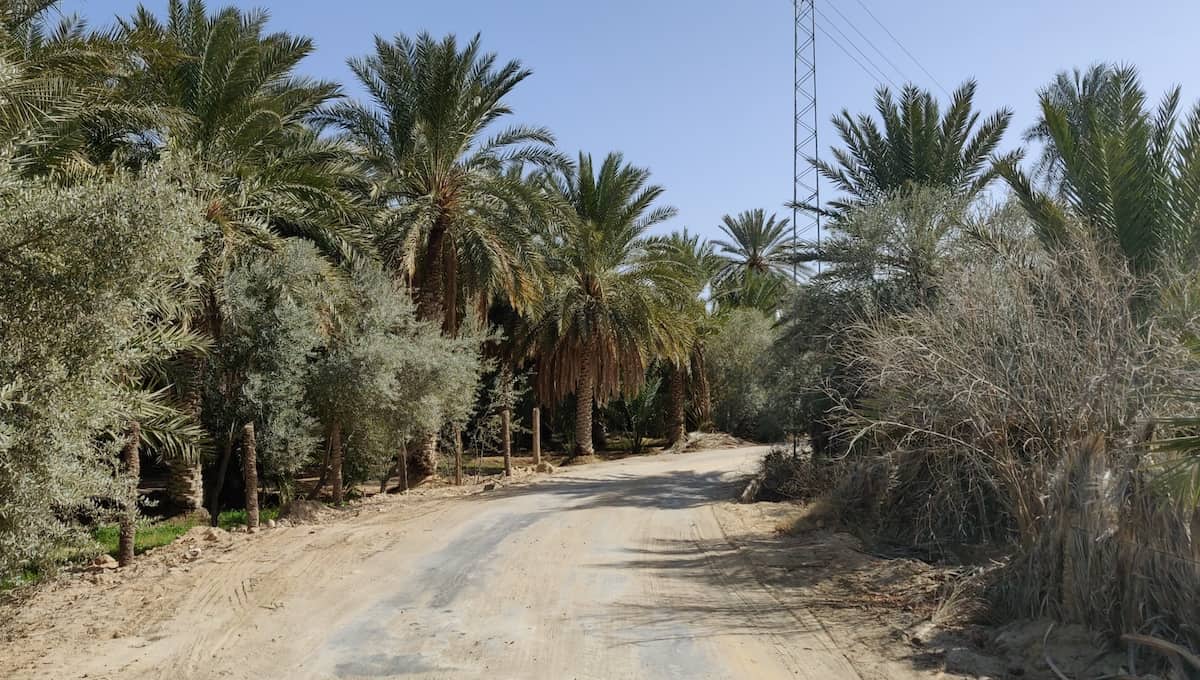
{"x":700,"y":90}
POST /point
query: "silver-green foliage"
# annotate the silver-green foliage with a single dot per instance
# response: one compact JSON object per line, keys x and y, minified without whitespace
{"x":83,"y":272}
{"x":385,"y":376}
{"x":273,"y":330}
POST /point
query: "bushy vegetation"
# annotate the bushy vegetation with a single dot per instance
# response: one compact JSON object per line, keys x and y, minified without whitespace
{"x":218,"y":267}
{"x":213,"y":259}
{"x":1010,"y":373}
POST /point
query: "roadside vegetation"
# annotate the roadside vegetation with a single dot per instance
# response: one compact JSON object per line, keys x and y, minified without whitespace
{"x":227,"y":285}
{"x":231,"y":279}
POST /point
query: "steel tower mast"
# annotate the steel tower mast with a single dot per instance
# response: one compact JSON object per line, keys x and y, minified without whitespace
{"x":805,"y":145}
{"x":805,"y":180}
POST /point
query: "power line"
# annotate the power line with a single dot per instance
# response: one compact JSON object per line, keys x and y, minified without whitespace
{"x":897,"y":41}
{"x":871,"y":43}
{"x":852,"y":57}
{"x":852,"y":43}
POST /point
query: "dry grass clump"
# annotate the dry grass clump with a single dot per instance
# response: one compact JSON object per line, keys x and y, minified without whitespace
{"x":1013,"y":411}
{"x":795,"y":476}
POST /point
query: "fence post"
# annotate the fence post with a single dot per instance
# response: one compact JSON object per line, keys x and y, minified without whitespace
{"x":506,"y":419}
{"x":458,"y":456}
{"x":537,"y":436}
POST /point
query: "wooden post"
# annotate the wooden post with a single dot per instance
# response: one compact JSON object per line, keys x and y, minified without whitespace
{"x":129,"y":455}
{"x":537,"y":436}
{"x":506,"y":420}
{"x":250,"y":474}
{"x":335,"y":462}
{"x":458,"y":457}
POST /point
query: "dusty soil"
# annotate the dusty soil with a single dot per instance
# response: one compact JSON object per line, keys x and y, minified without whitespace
{"x":639,"y":568}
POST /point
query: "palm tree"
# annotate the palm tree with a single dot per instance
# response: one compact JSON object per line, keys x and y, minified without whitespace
{"x":700,"y":264}
{"x":611,"y":294}
{"x":456,"y":205}
{"x":1130,"y":172}
{"x":913,"y":144}
{"x":242,"y":120}
{"x":756,"y":249}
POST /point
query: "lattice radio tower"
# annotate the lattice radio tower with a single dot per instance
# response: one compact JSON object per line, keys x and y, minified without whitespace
{"x":806,"y":224}
{"x":805,"y":180}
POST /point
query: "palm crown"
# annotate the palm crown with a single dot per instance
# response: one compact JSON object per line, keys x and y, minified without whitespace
{"x":916,"y":145}
{"x":611,"y":293}
{"x":453,"y":198}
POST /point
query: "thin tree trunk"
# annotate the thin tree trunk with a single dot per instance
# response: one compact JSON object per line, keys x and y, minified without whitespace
{"x":584,"y":392}
{"x":250,"y":475}
{"x":537,"y":436}
{"x":458,"y":456}
{"x":506,"y":425}
{"x":703,"y":390}
{"x":335,"y":462}
{"x":129,"y":455}
{"x":214,"y":505}
{"x":316,"y":490}
{"x":675,"y":422}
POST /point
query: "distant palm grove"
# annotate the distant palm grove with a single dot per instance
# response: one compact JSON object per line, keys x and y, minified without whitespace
{"x":221,"y":273}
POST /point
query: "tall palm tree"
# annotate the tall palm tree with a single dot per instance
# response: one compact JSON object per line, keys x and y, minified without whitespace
{"x":913,"y":144}
{"x":1131,"y":172}
{"x":611,"y":293}
{"x":243,"y":122}
{"x":699,"y":264}
{"x":454,"y":203}
{"x":456,"y":206}
{"x":757,"y":251}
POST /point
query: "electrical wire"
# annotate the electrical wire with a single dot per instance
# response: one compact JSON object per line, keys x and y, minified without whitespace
{"x":899,"y":71}
{"x":831,"y":23}
{"x":897,"y":41}
{"x":852,"y":57}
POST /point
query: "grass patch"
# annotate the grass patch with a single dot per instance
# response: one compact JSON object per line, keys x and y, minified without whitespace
{"x":150,"y":535}
{"x":26,"y":577}
{"x":237,"y":518}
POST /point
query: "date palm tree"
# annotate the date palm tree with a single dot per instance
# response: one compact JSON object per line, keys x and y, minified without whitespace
{"x":699,"y":264}
{"x":757,"y":251}
{"x":913,"y":143}
{"x":611,"y":292}
{"x":242,"y":119}
{"x":455,"y":204}
{"x":1129,"y":170}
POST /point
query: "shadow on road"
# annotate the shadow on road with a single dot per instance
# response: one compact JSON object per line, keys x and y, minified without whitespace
{"x":671,"y":490}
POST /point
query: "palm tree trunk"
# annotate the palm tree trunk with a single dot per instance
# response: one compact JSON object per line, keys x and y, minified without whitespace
{"x":432,"y":290}
{"x":449,"y":292}
{"x":584,"y":391}
{"x":250,"y":475}
{"x":335,"y":462}
{"x":423,"y":465}
{"x":129,"y":455}
{"x":675,"y":423}
{"x":703,"y":390}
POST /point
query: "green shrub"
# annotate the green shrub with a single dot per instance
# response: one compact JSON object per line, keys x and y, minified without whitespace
{"x":87,"y":272}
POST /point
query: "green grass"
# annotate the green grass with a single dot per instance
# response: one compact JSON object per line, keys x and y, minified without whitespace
{"x":150,"y":535}
{"x":234,"y":518}
{"x":25,"y":577}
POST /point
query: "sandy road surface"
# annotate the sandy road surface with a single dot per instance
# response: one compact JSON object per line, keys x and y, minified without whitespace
{"x":604,"y":571}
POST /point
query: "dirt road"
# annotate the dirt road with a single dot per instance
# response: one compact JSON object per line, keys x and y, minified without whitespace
{"x":613,"y":570}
